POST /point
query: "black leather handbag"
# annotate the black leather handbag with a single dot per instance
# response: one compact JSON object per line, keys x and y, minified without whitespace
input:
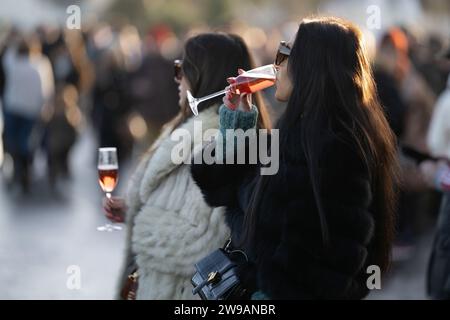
{"x":216,"y":275}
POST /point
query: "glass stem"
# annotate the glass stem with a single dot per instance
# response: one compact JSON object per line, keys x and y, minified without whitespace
{"x":212,"y":95}
{"x":108,"y":195}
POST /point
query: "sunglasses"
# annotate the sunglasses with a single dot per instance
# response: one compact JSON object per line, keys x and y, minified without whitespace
{"x":283,"y":53}
{"x":178,"y":70}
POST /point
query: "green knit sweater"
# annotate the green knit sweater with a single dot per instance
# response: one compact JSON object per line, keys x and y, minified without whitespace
{"x":236,"y":119}
{"x":245,"y":120}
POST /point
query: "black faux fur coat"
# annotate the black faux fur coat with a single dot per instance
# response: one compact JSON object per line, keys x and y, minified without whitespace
{"x":288,"y":258}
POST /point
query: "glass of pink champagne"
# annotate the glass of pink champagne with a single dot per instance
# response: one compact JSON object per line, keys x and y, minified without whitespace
{"x":248,"y":82}
{"x":108,"y":176}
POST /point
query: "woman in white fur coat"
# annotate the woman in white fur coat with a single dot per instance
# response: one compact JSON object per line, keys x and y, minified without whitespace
{"x":170,"y":227}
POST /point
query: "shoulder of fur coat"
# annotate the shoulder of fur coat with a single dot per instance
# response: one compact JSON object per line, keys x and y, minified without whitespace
{"x":153,"y":169}
{"x":166,"y":240}
{"x":154,"y":166}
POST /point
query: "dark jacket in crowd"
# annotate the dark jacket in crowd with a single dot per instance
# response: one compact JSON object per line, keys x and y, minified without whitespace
{"x":438,"y":274}
{"x":288,"y":258}
{"x":392,"y":101}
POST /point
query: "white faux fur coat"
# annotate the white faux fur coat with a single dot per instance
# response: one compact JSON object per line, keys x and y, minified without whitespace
{"x":170,"y":227}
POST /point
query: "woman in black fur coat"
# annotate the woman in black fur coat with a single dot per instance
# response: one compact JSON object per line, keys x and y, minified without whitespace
{"x":312,"y":229}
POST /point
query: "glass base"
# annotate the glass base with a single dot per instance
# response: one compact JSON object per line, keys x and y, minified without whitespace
{"x":109,"y":228}
{"x":192,"y":103}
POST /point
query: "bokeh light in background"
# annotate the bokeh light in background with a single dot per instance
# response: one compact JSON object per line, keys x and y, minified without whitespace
{"x":262,"y":23}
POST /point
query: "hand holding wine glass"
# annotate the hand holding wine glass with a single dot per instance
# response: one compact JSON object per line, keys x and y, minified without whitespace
{"x":115,"y":208}
{"x":108,"y":175}
{"x":234,"y":100}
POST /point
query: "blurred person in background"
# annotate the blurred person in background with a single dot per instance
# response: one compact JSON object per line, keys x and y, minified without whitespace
{"x":415,"y":92}
{"x":389,"y":88}
{"x":2,"y":155}
{"x":152,"y":89}
{"x":438,"y":177}
{"x":67,"y":51}
{"x":62,"y":131}
{"x":10,"y":37}
{"x":27,"y":98}
{"x":2,"y":88}
{"x":170,"y":227}
{"x":111,"y":100}
{"x":84,"y":68}
{"x":311,"y":230}
{"x":62,"y":62}
{"x":3,"y":47}
{"x":72,"y":79}
{"x":426,"y":54}
{"x":408,"y":103}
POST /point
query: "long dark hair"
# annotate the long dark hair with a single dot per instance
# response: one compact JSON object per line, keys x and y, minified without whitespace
{"x":208,"y":60}
{"x":333,"y":87}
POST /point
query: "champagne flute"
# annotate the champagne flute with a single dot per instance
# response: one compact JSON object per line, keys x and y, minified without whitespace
{"x":248,"y":82}
{"x":108,"y":176}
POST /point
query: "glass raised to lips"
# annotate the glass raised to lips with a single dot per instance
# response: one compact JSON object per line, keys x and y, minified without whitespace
{"x":248,"y":82}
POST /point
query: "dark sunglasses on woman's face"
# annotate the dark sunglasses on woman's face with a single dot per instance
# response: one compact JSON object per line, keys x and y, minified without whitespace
{"x":283,"y":53}
{"x":178,"y":71}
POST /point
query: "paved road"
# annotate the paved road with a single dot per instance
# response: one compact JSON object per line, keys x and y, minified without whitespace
{"x":43,"y":234}
{"x":407,"y":279}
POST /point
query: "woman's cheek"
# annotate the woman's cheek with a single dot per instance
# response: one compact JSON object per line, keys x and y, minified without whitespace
{"x":279,"y":93}
{"x":282,"y":88}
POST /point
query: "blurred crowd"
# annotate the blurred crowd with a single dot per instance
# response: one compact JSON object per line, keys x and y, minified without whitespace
{"x":112,"y":79}
{"x":55,"y":83}
{"x":118,"y":82}
{"x":410,"y":74}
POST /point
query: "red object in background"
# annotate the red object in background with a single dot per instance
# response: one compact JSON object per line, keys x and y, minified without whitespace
{"x":160,"y":32}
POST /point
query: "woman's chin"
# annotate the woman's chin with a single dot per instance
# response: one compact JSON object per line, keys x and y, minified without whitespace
{"x":280,"y":97}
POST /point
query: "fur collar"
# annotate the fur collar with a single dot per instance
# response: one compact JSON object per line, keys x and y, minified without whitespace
{"x":160,"y":164}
